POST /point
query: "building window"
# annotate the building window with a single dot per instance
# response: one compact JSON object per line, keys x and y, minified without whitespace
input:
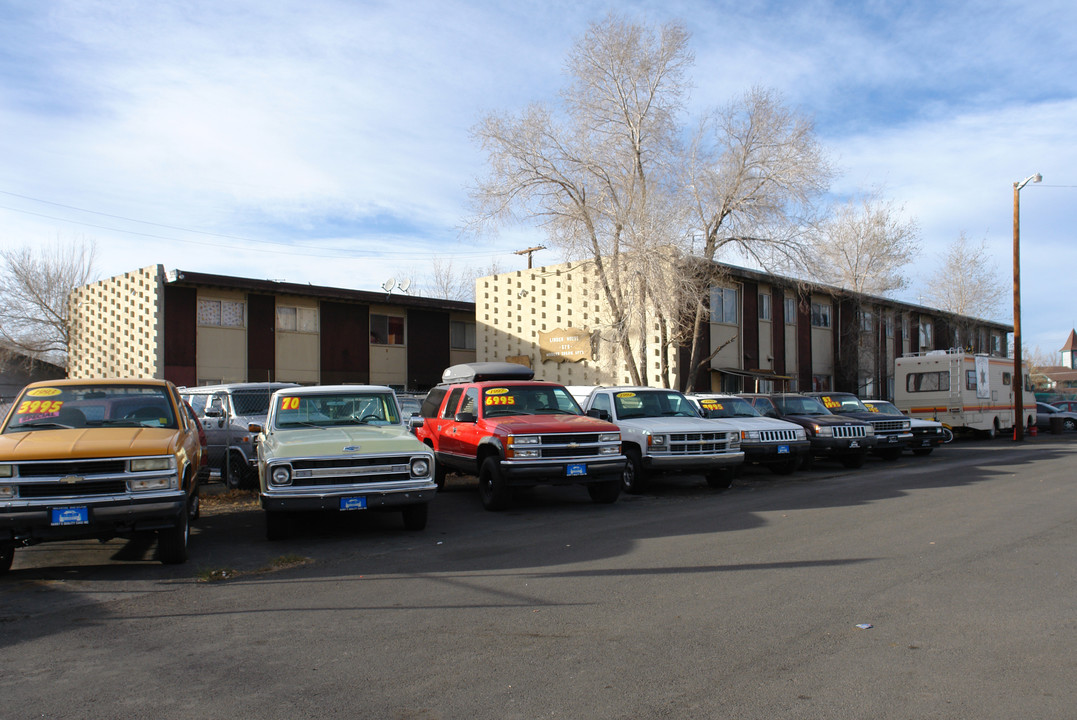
{"x":926,"y":335}
{"x":888,"y":325}
{"x":461,"y":335}
{"x":867,"y":386}
{"x":996,"y":344}
{"x":724,"y":305}
{"x":820,"y":383}
{"x":297,"y":319}
{"x":820,"y":316}
{"x":386,"y":330}
{"x":220,"y":313}
{"x":764,"y":306}
{"x":867,"y":321}
{"x":904,"y":327}
{"x":790,"y":311}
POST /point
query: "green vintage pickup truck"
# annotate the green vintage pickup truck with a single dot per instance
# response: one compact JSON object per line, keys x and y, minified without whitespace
{"x":340,"y":448}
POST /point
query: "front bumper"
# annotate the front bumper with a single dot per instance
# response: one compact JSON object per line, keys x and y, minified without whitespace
{"x":892,"y":441}
{"x":326,"y":498}
{"x":557,"y":472}
{"x":837,"y":447}
{"x":110,"y":516}
{"x":664,"y":463}
{"x":768,"y":453}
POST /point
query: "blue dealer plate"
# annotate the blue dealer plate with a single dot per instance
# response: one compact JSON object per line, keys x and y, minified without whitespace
{"x":783,"y":449}
{"x":576,"y":470}
{"x":353,"y":503}
{"x":71,"y":516}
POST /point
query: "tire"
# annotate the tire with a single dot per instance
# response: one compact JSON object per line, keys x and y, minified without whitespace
{"x":786,"y":467}
{"x":890,"y":454}
{"x":922,"y":451}
{"x":493,"y":492}
{"x":721,"y":479}
{"x":415,"y":516}
{"x":854,"y":461}
{"x":278,"y":525}
{"x":439,"y":474}
{"x":1069,"y":424}
{"x":172,"y":542}
{"x":238,"y":474}
{"x":604,"y":493}
{"x":7,"y":556}
{"x":633,"y":477}
{"x":194,"y":507}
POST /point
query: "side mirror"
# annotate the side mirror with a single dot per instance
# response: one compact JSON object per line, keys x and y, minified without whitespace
{"x":415,"y":422}
{"x":213,"y":412}
{"x":465,"y":417}
{"x":600,"y":414}
{"x":254,"y":429}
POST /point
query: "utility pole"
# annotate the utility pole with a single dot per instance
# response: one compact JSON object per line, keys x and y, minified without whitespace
{"x":528,"y":252}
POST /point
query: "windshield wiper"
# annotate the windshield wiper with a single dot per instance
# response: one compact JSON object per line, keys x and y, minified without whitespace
{"x":42,"y":424}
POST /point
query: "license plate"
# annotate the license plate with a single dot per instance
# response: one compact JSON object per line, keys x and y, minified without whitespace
{"x":71,"y":516}
{"x":353,"y":503}
{"x":925,"y":443}
{"x":892,"y":439}
{"x":854,"y":444}
{"x":576,"y":470}
{"x":783,"y":449}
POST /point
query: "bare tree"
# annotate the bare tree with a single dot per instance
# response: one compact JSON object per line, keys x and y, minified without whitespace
{"x":449,"y":282}
{"x":601,"y":174}
{"x":967,"y":281}
{"x":35,"y":283}
{"x":753,"y":173}
{"x":864,"y":246}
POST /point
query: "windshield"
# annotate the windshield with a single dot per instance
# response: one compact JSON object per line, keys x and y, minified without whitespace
{"x":85,"y":406}
{"x":527,"y":400}
{"x":251,"y":402}
{"x":726,"y":408}
{"x":842,"y":404}
{"x":800,"y":405}
{"x":335,"y":409}
{"x":884,"y":408}
{"x":652,"y":403}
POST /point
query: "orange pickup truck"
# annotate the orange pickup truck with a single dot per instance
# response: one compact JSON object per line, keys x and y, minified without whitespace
{"x":98,"y":459}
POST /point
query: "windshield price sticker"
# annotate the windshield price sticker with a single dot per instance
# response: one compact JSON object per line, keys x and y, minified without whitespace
{"x":500,"y":400}
{"x":43,"y":392}
{"x":626,"y":394}
{"x":39,"y":407}
{"x":289,"y":403}
{"x":712,"y":404}
{"x":830,"y":403}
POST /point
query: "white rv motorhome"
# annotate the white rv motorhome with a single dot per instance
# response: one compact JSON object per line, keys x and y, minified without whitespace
{"x":960,"y":390}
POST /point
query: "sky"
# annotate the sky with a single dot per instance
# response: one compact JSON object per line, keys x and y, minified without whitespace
{"x":329,"y":141}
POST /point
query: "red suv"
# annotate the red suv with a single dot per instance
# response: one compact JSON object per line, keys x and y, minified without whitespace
{"x":494,"y":421}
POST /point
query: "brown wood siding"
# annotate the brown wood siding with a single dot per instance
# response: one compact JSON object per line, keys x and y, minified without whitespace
{"x":750,"y":326}
{"x":804,"y":364}
{"x":428,"y":348}
{"x":345,"y":343}
{"x":261,"y":346}
{"x":180,"y":335}
{"x":846,"y":354}
{"x":777,"y":329}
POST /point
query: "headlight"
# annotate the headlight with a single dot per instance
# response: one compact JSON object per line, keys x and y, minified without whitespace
{"x":281,"y":475}
{"x":752,"y":435}
{"x":610,"y":450}
{"x":870,"y":430}
{"x":906,"y":425}
{"x":157,"y":483}
{"x":7,"y":471}
{"x":734,"y":440}
{"x":7,"y":492}
{"x":610,"y":437}
{"x":526,"y":454}
{"x":148,"y":464}
{"x":420,"y":467}
{"x":823,"y":430}
{"x":656,"y":440}
{"x":524,"y":439}
{"x":800,"y":434}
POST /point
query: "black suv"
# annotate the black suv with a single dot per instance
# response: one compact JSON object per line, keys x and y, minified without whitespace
{"x":836,"y":437}
{"x":892,"y":434}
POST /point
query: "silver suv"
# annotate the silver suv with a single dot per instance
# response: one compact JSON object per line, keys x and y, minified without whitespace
{"x":225,"y":412}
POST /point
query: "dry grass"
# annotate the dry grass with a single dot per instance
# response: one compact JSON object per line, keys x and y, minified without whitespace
{"x":228,"y":500}
{"x":282,"y":562}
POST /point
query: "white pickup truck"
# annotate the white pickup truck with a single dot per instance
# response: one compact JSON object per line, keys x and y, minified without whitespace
{"x":662,"y":432}
{"x":777,"y":444}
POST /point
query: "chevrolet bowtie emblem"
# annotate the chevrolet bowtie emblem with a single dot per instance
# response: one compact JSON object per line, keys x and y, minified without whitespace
{"x":70,"y":479}
{"x":351,"y":448}
{"x":573,"y":445}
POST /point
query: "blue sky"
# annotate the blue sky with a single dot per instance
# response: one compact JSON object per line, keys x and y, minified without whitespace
{"x":327,"y":141}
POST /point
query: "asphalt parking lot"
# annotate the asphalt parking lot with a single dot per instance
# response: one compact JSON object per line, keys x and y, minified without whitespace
{"x":681,"y":602}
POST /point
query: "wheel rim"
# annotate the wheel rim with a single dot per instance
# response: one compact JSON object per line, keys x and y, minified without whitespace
{"x":628,"y":477}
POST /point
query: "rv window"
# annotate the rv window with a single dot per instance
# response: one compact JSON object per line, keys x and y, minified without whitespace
{"x":927,"y":381}
{"x":1006,"y":378}
{"x":970,"y":379}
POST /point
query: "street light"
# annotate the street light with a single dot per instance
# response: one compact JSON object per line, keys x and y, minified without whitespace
{"x":1018,"y":374}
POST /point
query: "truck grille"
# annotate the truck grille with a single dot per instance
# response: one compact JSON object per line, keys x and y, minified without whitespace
{"x":699,"y":443}
{"x":888,"y":426}
{"x":350,"y":471}
{"x":850,"y":431}
{"x":774,"y":436}
{"x":81,"y":468}
{"x":570,"y":445}
{"x":82,"y":489}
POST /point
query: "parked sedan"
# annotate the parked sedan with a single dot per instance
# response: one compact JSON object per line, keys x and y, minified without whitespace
{"x":1067,"y":405}
{"x":1045,"y":412}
